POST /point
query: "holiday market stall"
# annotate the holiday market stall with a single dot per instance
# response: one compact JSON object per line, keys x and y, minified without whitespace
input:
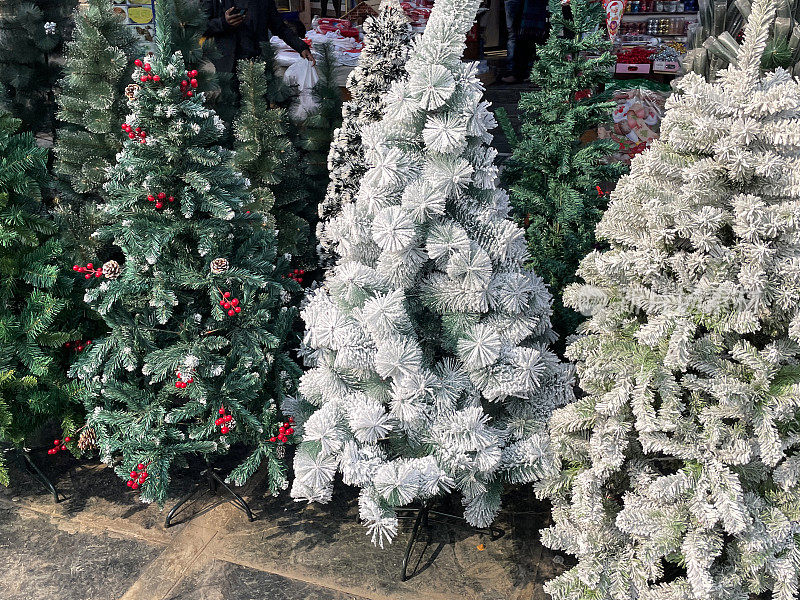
{"x":572,"y":370}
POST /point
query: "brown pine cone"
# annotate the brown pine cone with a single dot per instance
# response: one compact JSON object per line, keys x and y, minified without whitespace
{"x":87,"y":440}
{"x":219,"y":265}
{"x":111,"y":269}
{"x":130,"y":91}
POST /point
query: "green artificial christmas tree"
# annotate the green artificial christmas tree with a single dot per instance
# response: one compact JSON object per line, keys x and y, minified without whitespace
{"x":552,"y":175}
{"x":92,"y":105}
{"x":30,"y":34}
{"x":187,"y":23}
{"x":680,"y":472}
{"x":196,"y":357}
{"x":34,"y":295}
{"x":318,"y":128}
{"x":268,"y":158}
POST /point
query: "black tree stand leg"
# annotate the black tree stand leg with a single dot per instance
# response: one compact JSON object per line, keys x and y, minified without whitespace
{"x":32,"y":468}
{"x":214,"y":481}
{"x":423,"y":520}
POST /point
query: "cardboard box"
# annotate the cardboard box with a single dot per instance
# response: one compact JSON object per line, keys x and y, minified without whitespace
{"x":637,"y":68}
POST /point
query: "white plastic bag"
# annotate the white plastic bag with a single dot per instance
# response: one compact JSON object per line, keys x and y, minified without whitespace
{"x":304,"y":75}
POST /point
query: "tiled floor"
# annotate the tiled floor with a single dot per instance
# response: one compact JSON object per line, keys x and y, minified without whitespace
{"x":102,"y":544}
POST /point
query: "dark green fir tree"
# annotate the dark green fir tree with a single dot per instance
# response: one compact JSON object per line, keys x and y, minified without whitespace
{"x":92,"y":106}
{"x":196,"y":358}
{"x":31,"y":35}
{"x":267,"y":157}
{"x":316,"y":132}
{"x":34,"y":296}
{"x":187,"y":23}
{"x":553,"y":176}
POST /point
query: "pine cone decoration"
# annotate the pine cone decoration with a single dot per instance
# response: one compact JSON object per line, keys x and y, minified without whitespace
{"x":219,"y":265}
{"x":280,"y":451}
{"x":87,"y":440}
{"x":130,"y":91}
{"x":111,"y":270}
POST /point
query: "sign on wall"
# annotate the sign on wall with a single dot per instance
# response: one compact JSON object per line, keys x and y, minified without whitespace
{"x":139,"y":14}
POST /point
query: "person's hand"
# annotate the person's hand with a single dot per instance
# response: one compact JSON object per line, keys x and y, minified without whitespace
{"x":233,"y":18}
{"x":308,"y":56}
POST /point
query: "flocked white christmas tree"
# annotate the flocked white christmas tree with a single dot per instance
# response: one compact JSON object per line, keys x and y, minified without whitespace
{"x":428,"y":344}
{"x":387,"y":39}
{"x":680,"y":463}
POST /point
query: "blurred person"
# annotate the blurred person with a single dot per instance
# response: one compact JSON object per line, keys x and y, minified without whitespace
{"x":526,"y":22}
{"x":239,"y":27}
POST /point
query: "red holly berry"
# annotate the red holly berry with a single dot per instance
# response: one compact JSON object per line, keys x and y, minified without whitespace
{"x":161,"y":195}
{"x":222,"y":303}
{"x":184,"y":83}
{"x":98,"y":274}
{"x":151,"y":198}
{"x":237,"y":310}
{"x":228,"y":418}
{"x":193,"y":83}
{"x":190,"y":380}
{"x":281,"y":429}
{"x":223,"y":430}
{"x":75,"y":267}
{"x":134,"y":485}
{"x":156,"y":78}
{"x":193,"y":73}
{"x":222,"y":411}
{"x":218,"y":422}
{"x":226,"y":305}
{"x":289,"y":431}
{"x":129,"y":483}
{"x":147,"y":68}
{"x":159,"y":205}
{"x":291,"y":419}
{"x":87,"y":276}
{"x":235,"y":302}
{"x":177,"y":384}
{"x":226,"y":295}
{"x":171,"y":199}
{"x":231,"y":312}
{"x":189,"y":93}
{"x":140,"y":466}
{"x":144,"y":475}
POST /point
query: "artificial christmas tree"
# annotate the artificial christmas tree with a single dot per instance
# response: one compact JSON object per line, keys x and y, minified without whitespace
{"x":187,"y":21}
{"x":92,"y":104}
{"x":34,"y":294}
{"x":196,"y":355}
{"x":267,"y":156}
{"x":30,"y":33}
{"x":430,"y":370}
{"x":387,"y":39}
{"x":680,"y":467}
{"x":316,"y":129}
{"x":552,"y":175}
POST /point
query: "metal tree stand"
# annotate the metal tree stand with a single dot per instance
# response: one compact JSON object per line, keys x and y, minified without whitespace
{"x":208,"y":476}
{"x":423,"y":519}
{"x":26,"y":462}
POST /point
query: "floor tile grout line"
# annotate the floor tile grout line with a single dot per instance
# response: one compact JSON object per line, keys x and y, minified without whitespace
{"x":188,"y":568}
{"x":89,"y":524}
